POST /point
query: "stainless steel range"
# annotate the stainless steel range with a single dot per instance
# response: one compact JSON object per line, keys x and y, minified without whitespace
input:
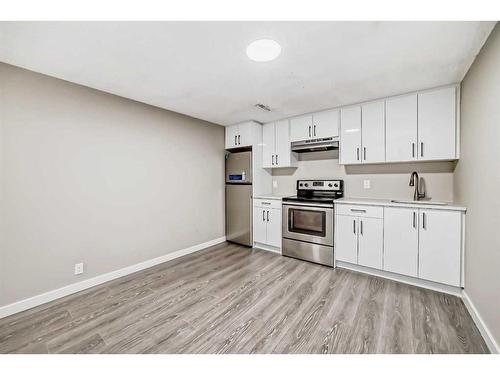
{"x":308,"y":220}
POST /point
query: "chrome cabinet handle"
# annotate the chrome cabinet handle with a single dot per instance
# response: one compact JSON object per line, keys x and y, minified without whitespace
{"x":412,"y":150}
{"x":423,"y":220}
{"x":364,"y":153}
{"x":235,"y":140}
{"x":414,"y":219}
{"x":357,"y":153}
{"x":354,"y":226}
{"x":309,"y":131}
{"x":266,"y":203}
{"x":314,"y":130}
{"x":263,"y":215}
{"x":422,"y":149}
{"x":267,"y":215}
{"x":239,"y":139}
{"x":276,"y":159}
{"x":361,"y":226}
{"x":357,"y":210}
{"x":272,"y":159}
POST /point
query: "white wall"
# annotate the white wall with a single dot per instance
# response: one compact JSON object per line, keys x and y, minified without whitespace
{"x":90,"y":177}
{"x":386,"y":181}
{"x":477,"y":181}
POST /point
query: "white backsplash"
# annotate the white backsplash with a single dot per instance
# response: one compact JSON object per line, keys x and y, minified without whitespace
{"x":389,"y":181}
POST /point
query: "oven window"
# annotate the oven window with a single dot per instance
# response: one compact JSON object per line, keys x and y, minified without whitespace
{"x":307,"y":222}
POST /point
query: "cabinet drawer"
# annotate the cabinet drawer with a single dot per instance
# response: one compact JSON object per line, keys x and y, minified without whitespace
{"x":359,"y":210}
{"x":267,"y":203}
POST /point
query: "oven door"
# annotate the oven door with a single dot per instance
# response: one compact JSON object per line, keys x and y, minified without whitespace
{"x":308,"y":223}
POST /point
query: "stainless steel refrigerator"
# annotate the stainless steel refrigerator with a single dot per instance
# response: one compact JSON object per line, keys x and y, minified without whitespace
{"x":239,"y":197}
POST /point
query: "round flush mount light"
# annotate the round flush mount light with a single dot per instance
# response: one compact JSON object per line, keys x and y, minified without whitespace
{"x":263,"y":50}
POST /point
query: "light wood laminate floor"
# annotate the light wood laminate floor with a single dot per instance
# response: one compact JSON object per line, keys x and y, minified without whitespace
{"x":231,"y":299}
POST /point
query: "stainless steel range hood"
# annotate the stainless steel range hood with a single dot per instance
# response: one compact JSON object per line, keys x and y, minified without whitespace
{"x":312,"y":145}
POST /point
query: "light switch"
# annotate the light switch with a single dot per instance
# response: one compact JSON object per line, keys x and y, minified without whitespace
{"x":366,"y":184}
{"x":275,"y":184}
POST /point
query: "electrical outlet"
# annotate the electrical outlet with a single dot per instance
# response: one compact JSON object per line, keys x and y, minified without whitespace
{"x":275,"y":184}
{"x":78,"y":268}
{"x":366,"y":184}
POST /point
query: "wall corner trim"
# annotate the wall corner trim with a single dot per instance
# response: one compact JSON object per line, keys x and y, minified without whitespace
{"x":483,"y":328}
{"x":52,"y":295}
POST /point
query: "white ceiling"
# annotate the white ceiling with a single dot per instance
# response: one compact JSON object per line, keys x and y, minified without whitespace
{"x":201,"y":69}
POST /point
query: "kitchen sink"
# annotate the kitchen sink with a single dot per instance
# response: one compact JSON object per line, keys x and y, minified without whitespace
{"x":429,"y":202}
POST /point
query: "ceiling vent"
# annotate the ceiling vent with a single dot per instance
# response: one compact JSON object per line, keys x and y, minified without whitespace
{"x":263,"y":107}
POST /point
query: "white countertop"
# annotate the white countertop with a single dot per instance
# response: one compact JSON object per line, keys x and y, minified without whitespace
{"x":270,"y":196}
{"x":388,"y":203}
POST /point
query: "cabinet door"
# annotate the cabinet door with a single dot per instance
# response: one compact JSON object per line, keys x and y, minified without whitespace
{"x":245,"y":134}
{"x":326,"y":124}
{"x":440,"y":246}
{"x":350,"y":135}
{"x":371,"y":234}
{"x":401,"y":240}
{"x":301,"y":128}
{"x":268,"y":145}
{"x":283,"y":153}
{"x":273,"y":227}
{"x":259,"y":225}
{"x":346,"y":239}
{"x":232,"y":136}
{"x":373,"y":132}
{"x":401,"y":128}
{"x":436,"y":124}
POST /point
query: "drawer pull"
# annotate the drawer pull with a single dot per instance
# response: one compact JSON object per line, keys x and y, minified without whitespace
{"x":357,"y":210}
{"x":268,"y":203}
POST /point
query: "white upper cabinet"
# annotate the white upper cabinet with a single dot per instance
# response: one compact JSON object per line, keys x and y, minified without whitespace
{"x":401,"y":240}
{"x":326,"y":124}
{"x":401,"y":128}
{"x":373,"y":132}
{"x":301,"y":128}
{"x":350,"y":135}
{"x":276,"y":145}
{"x":440,"y":246}
{"x":242,"y":135}
{"x":232,"y":136}
{"x":437,"y":124}
{"x":268,"y":145}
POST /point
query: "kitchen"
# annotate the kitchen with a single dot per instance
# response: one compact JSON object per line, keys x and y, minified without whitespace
{"x":253,"y":187}
{"x":369,"y":233}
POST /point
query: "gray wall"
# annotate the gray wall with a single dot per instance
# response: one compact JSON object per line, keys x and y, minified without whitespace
{"x":90,"y":177}
{"x":387,"y":181}
{"x":477,"y":181}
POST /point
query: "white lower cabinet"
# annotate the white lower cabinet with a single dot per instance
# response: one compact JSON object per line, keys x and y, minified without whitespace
{"x":401,"y":240}
{"x":439,"y":256}
{"x":267,"y":225}
{"x":371,"y":242}
{"x":346,"y":241}
{"x":359,"y":240}
{"x":422,"y":243}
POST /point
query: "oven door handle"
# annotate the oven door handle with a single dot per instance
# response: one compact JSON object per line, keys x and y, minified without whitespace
{"x":310,"y":205}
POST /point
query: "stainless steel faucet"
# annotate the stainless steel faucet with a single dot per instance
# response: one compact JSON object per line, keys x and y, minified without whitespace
{"x":414,"y":182}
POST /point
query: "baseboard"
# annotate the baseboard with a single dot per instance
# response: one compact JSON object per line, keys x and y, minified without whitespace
{"x":456,"y":291}
{"x":483,"y":328}
{"x":52,"y":295}
{"x":262,"y":246}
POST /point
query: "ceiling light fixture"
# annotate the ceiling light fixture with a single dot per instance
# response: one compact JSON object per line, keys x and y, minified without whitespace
{"x":263,"y":50}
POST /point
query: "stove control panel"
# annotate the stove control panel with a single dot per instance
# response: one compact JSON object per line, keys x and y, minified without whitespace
{"x":320,"y":185}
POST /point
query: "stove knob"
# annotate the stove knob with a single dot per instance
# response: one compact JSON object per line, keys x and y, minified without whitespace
{"x":330,"y":185}
{"x":306,"y":185}
{"x":301,"y":184}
